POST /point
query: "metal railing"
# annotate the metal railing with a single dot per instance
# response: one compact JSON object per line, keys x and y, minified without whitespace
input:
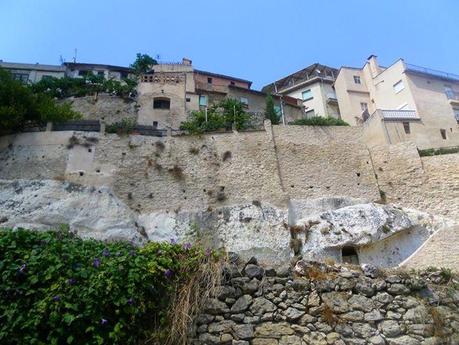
{"x":452,"y":95}
{"x":399,"y":114}
{"x":424,"y":70}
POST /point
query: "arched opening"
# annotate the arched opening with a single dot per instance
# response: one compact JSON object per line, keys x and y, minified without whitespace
{"x":161,"y":103}
{"x":349,"y":255}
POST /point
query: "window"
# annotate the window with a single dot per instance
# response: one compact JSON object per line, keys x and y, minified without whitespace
{"x":399,"y":86}
{"x":406,"y":127}
{"x":161,"y":103}
{"x":443,"y":133}
{"x":203,"y":100}
{"x":307,"y":95}
{"x":84,"y":73}
{"x":244,"y":101}
{"x":188,"y":99}
{"x":363,"y":106}
{"x":349,"y":255}
{"x":123,"y":75}
{"x":357,"y":79}
{"x":46,"y":77}
{"x":209,"y":80}
{"x":23,"y":77}
{"x":100,"y":73}
{"x":310,"y":113}
{"x":155,"y":124}
{"x":232,"y":83}
{"x":456,"y":114}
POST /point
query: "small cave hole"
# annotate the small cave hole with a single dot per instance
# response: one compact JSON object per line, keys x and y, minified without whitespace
{"x":81,"y":173}
{"x":89,"y":150}
{"x":349,"y":255}
{"x":358,"y":174}
{"x":98,"y":171}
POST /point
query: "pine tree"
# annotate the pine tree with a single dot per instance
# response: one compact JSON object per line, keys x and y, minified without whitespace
{"x":270,"y":111}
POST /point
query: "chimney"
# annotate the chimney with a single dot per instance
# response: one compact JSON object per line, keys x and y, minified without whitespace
{"x":374,"y":67}
{"x":186,"y":62}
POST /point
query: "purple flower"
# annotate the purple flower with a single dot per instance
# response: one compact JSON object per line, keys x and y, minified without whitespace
{"x":173,"y":241}
{"x":208,"y":251}
{"x":71,"y":281}
{"x":168,"y":273}
{"x":130,"y":301}
{"x":103,"y":321}
{"x":96,"y":262}
{"x":187,"y":246}
{"x":106,"y":252}
{"x":56,"y":298}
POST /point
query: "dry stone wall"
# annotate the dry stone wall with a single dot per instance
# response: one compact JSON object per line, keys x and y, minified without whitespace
{"x":329,"y":305}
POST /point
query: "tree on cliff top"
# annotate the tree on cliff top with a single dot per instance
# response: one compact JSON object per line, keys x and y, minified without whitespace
{"x":270,"y":111}
{"x":143,"y":63}
{"x":19,"y":106}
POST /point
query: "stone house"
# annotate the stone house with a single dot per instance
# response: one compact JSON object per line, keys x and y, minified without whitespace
{"x":170,"y":91}
{"x":313,"y":87}
{"x":400,"y":103}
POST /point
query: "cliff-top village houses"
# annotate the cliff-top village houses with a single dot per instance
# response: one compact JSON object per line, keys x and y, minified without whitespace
{"x":392,"y":104}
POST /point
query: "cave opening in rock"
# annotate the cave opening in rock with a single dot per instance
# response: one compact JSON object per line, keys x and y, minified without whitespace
{"x":349,"y":255}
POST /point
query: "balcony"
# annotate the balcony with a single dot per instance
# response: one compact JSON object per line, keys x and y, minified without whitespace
{"x":399,"y":115}
{"x":331,"y":98}
{"x":452,"y":96}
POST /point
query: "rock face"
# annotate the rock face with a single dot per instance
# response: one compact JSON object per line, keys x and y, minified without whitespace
{"x":372,"y":230}
{"x":258,"y":229}
{"x":98,"y":213}
{"x":91,"y":212}
{"x":333,"y":305}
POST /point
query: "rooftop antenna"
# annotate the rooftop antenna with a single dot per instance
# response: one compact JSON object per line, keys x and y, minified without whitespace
{"x":75,"y":55}
{"x":157,"y":57}
{"x":61,"y":59}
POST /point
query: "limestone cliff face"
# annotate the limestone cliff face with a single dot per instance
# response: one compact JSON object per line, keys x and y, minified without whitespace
{"x":243,"y":191}
{"x":249,"y":229}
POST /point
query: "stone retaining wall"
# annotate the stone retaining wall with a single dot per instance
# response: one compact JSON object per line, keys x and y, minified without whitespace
{"x":327,"y":305}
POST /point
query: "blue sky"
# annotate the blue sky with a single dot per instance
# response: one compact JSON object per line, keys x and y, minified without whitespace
{"x":252,"y":39}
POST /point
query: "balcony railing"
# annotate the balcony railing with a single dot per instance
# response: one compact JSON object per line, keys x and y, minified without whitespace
{"x":436,"y":73}
{"x":452,"y":95}
{"x":331,"y":97}
{"x":399,"y":115}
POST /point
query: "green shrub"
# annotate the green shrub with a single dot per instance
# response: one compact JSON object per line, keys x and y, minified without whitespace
{"x":58,"y":289}
{"x":320,"y":121}
{"x":439,"y":151}
{"x":20,"y":106}
{"x":222,"y":115}
{"x":270,"y":111}
{"x":87,"y":85}
{"x":124,"y":127}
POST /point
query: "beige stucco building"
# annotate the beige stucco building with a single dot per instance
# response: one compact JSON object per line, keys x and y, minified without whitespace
{"x":32,"y":73}
{"x":399,"y":103}
{"x":313,"y":87}
{"x":169,"y":92}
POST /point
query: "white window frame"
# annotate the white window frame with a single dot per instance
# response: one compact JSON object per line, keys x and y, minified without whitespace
{"x":456,"y":114}
{"x":310,"y":111}
{"x":399,"y":86}
{"x":310,"y":94}
{"x":205,"y":103}
{"x":244,"y":101}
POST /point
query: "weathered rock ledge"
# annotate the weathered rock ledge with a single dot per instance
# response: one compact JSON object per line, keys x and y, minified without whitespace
{"x":323,"y":304}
